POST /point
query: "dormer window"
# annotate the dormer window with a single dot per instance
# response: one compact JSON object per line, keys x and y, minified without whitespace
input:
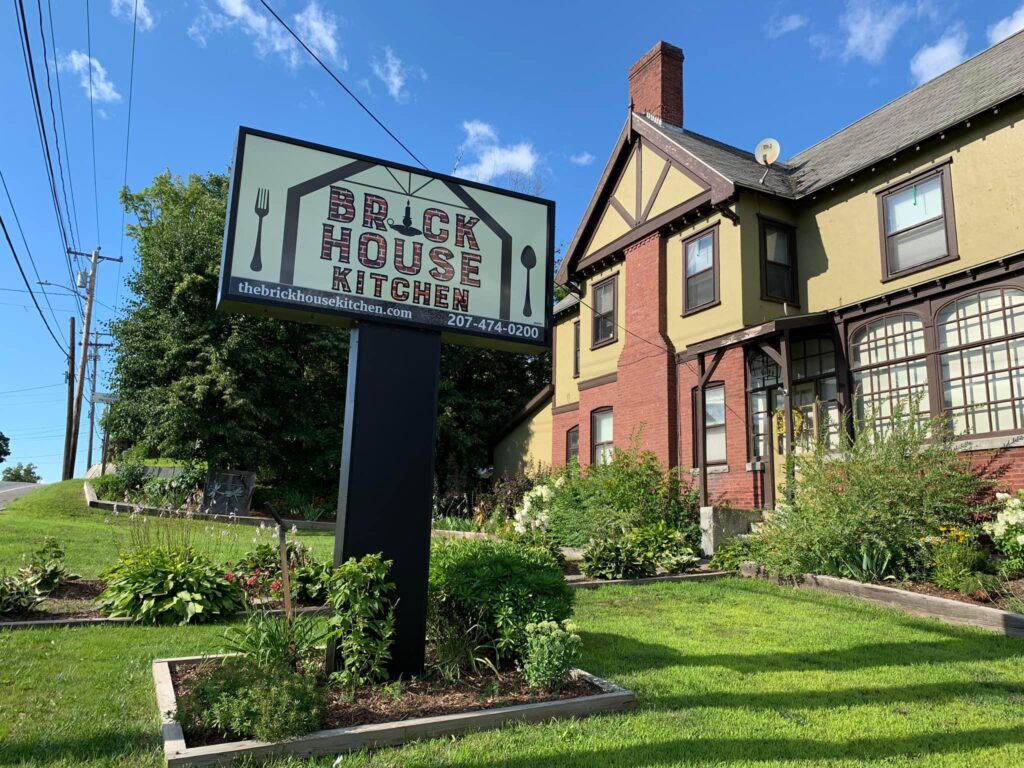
{"x":778,"y":261}
{"x":916,"y":217}
{"x":700,"y":271}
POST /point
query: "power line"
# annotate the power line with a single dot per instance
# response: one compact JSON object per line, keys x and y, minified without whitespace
{"x":92,"y":120}
{"x":344,"y":87}
{"x":29,"y":389}
{"x":63,"y":127}
{"x":127,"y":140}
{"x":17,"y":261}
{"x":17,"y":221}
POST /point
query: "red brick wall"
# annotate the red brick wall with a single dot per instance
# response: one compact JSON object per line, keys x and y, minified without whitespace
{"x":646,"y":373}
{"x":1005,"y":466}
{"x":590,"y":400}
{"x":560,"y":424}
{"x":741,"y":488}
{"x":656,"y":84}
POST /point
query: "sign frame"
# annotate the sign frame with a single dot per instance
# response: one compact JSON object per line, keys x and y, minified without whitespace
{"x":268,"y":306}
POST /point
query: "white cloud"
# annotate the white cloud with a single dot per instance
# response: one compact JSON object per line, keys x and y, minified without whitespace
{"x":102,"y":89}
{"x":869,"y":27}
{"x":1003,"y":28}
{"x":317,"y":27}
{"x":395,"y":74}
{"x":491,"y":159}
{"x":583,"y":158}
{"x":932,"y":60}
{"x":783,"y":25}
{"x":128,"y":10}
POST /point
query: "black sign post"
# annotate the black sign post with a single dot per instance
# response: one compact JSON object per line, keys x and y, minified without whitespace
{"x":387,"y":467}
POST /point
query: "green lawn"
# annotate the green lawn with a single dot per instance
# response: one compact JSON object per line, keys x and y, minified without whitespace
{"x":93,"y":537}
{"x":727,"y":673}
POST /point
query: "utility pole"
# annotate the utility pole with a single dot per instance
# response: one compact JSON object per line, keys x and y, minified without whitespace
{"x":66,"y":473}
{"x":94,"y":260}
{"x":95,"y":357}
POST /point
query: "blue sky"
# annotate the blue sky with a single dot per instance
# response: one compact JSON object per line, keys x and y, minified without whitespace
{"x":528,"y":87}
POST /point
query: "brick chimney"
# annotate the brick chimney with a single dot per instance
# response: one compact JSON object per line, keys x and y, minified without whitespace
{"x":656,"y":84}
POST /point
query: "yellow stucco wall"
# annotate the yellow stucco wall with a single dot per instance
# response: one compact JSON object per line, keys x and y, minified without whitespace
{"x":728,"y":314}
{"x":750,"y":207}
{"x":565,"y":385}
{"x":837,"y":235}
{"x":526,"y":447}
{"x":598,"y":362}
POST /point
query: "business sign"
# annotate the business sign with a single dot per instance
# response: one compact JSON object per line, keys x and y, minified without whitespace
{"x":322,"y":235}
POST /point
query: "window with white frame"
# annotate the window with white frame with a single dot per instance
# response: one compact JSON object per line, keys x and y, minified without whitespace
{"x":602,"y":441}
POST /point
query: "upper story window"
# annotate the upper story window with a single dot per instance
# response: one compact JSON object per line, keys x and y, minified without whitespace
{"x":700,"y":271}
{"x":778,"y":261}
{"x":572,"y":444}
{"x":576,"y":349}
{"x":981,"y":341}
{"x":602,"y":442}
{"x":605,"y":301}
{"x":917,"y":226}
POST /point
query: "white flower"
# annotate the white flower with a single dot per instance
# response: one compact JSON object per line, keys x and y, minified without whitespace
{"x":1002,"y":496}
{"x":559,"y":481}
{"x":1020,"y":539}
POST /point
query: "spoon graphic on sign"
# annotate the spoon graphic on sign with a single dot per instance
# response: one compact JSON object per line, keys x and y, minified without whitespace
{"x":529,"y":260}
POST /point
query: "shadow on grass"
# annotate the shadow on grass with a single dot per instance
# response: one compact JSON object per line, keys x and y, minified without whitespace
{"x":716,"y":751}
{"x":105,"y":745}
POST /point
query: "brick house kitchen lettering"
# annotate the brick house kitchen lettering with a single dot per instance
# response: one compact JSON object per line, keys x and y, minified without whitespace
{"x":439,"y":274}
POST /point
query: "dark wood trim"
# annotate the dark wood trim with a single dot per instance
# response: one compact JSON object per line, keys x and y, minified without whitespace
{"x":721,"y":187}
{"x":715,"y":269}
{"x":638,"y":202}
{"x":593,"y":413}
{"x":701,"y":443}
{"x":621,"y":209}
{"x":699,"y":419}
{"x":763,"y":224}
{"x":688,"y":172}
{"x":574,"y":428}
{"x":942,"y":170}
{"x":645,"y":229}
{"x":755,"y":331}
{"x":534,"y":405}
{"x":577,"y":341}
{"x":657,"y":189}
{"x":567,"y":408}
{"x":599,"y":381}
{"x":614,"y":280}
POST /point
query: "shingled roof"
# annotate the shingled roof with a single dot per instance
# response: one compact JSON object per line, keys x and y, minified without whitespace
{"x":981,"y":83}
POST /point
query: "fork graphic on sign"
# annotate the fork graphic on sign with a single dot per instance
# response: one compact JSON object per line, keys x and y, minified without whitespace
{"x":261,"y":210}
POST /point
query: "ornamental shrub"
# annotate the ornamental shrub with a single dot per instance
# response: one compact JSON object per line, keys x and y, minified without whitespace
{"x":1007,"y":531}
{"x":955,"y":556}
{"x":16,"y":596}
{"x":482,"y":595}
{"x":363,"y":624}
{"x":617,"y":557}
{"x":875,"y":497}
{"x":237,"y":698}
{"x":550,"y":654}
{"x":664,"y":545}
{"x":160,"y":585}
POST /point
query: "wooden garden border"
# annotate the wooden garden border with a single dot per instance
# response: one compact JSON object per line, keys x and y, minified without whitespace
{"x":340,"y":740}
{"x":586,"y":583}
{"x":952,"y":611}
{"x":311,"y":610}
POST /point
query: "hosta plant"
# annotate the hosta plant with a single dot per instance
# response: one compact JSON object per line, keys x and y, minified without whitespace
{"x":15,"y":595}
{"x":46,"y":569}
{"x":169,"y":586}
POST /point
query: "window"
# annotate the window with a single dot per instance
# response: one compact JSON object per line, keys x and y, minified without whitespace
{"x":714,"y":423}
{"x":604,"y":312}
{"x":572,"y":444}
{"x":778,"y":262}
{"x":981,"y":343}
{"x":700,"y":271}
{"x":889,"y":367}
{"x":602,"y":444}
{"x":916,"y":218}
{"x":576,"y":349}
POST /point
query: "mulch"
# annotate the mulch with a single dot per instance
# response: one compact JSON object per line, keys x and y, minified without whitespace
{"x":982,"y":598}
{"x":405,"y":700}
{"x":71,"y":600}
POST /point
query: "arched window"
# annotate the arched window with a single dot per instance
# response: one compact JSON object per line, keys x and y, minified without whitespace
{"x":889,"y":367}
{"x":981,"y":345}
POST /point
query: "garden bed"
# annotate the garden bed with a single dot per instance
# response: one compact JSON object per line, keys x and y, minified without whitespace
{"x":955,"y":611}
{"x":377,"y":719}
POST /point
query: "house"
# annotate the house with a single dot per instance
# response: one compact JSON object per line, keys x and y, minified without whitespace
{"x":721,"y":309}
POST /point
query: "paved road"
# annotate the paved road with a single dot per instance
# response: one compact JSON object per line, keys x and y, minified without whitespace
{"x":9,"y":491}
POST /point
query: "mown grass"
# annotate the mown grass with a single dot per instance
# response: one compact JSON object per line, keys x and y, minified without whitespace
{"x":726,"y":673}
{"x":94,"y":538}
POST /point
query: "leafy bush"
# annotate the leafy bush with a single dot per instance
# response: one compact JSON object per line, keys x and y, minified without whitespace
{"x":16,"y":596}
{"x":1007,"y":531}
{"x":363,"y":624}
{"x":665,"y":545}
{"x":131,"y":476}
{"x":169,"y":586}
{"x":617,"y":557}
{"x":735,"y":552}
{"x":259,"y":572}
{"x":876,"y":498}
{"x":272,"y":641}
{"x":46,"y":569}
{"x":955,"y":557}
{"x":109,"y":487}
{"x":311,"y":583}
{"x":551,"y":651}
{"x":484,"y":593}
{"x":237,"y":698}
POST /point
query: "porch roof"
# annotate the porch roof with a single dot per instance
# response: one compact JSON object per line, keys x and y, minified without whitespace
{"x":779,"y":324}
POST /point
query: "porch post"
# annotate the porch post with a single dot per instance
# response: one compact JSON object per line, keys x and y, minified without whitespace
{"x":702,"y":443}
{"x":787,"y":409}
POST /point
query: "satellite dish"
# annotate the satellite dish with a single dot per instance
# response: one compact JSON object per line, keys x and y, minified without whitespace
{"x":767,"y":151}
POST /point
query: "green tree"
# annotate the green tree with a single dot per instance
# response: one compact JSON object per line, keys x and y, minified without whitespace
{"x":5,"y":447}
{"x":256,"y":393}
{"x":21,"y":473}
